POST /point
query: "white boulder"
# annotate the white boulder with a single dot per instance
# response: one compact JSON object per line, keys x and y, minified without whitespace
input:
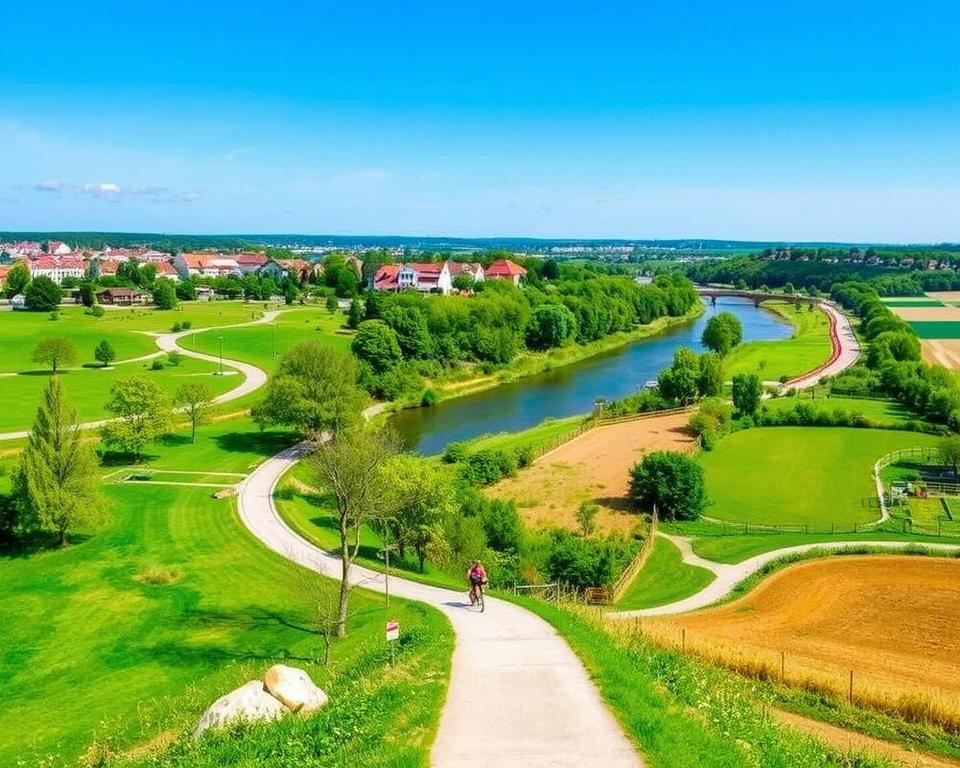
{"x":250,"y":701}
{"x":294,"y":688}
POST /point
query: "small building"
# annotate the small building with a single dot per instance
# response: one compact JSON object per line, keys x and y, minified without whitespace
{"x":57,"y":248}
{"x":251,"y":263}
{"x":121,"y":297}
{"x":204,"y":293}
{"x":206,"y":265}
{"x":466,"y":268}
{"x":504,"y":269}
{"x":19,"y":301}
{"x":57,"y":267}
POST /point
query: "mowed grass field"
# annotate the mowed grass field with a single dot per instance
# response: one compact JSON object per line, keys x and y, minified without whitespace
{"x":133,"y":631}
{"x":808,"y":348}
{"x":883,"y":412}
{"x":816,"y":476}
{"x":893,"y":620}
{"x":20,"y":332}
{"x":88,"y":390}
{"x":663,"y":579}
{"x":257,"y":344}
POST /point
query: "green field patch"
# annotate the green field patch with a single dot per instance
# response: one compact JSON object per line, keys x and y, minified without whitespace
{"x":931,"y":329}
{"x":912,"y":302}
{"x":882,"y":412}
{"x":663,"y":579}
{"x":169,"y":477}
{"x":547,"y":433}
{"x":263,"y":345}
{"x":808,"y":348}
{"x":808,"y":476}
{"x":89,"y":389}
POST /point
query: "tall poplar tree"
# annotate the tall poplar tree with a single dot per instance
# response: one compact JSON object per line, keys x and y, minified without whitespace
{"x":56,"y":485}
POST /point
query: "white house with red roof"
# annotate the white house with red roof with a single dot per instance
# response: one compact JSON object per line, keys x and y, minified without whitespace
{"x":504,"y":269}
{"x":424,"y":277}
{"x":466,"y":268}
{"x":57,"y":248}
{"x":57,"y":267}
{"x":206,"y":265}
{"x":250,"y":262}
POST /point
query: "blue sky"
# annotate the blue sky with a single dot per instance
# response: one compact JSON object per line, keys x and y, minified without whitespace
{"x":752,"y":120}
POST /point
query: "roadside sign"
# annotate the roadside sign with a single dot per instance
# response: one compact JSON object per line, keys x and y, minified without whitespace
{"x":393,"y":631}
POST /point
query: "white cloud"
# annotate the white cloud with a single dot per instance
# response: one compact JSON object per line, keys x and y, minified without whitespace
{"x":102,"y":189}
{"x":113,"y":192}
{"x":49,"y":185}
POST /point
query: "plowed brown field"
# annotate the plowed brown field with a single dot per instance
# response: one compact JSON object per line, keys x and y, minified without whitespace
{"x":592,"y":467}
{"x":927,"y":314}
{"x":942,"y":352}
{"x":893,"y":620}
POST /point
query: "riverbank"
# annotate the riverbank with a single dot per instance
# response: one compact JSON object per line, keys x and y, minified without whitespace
{"x":533,"y":363}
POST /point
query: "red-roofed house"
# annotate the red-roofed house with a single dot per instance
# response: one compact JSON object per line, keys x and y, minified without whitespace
{"x":386,"y":278}
{"x":57,"y":267}
{"x":206,"y":265}
{"x":166,"y":270}
{"x":466,"y":268}
{"x":425,"y":277}
{"x":504,"y":269}
{"x":57,"y":248}
{"x":250,"y":262}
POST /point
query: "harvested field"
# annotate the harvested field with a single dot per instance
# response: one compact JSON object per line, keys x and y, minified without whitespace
{"x":945,"y":352}
{"x":927,"y":314}
{"x":946,"y":297}
{"x":893,"y":620}
{"x":592,"y":467}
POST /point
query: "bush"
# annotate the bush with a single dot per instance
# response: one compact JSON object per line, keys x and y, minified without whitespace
{"x":157,"y":365}
{"x":186,"y":325}
{"x":670,"y":481}
{"x":524,"y":457}
{"x":584,"y":562}
{"x":174,"y":357}
{"x":487,"y":466}
{"x":429,"y":398}
{"x":454,"y":453}
{"x":97,"y":311}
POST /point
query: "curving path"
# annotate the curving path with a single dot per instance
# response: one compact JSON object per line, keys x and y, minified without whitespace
{"x":846,"y":350}
{"x":729,"y":575}
{"x":538,"y":705}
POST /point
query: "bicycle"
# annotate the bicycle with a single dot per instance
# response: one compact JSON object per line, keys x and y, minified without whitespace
{"x":476,"y":596}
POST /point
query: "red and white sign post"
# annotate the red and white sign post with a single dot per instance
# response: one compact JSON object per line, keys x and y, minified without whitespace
{"x":393,"y":634}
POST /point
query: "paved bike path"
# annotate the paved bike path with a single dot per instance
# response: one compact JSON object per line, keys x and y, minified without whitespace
{"x":518,"y":695}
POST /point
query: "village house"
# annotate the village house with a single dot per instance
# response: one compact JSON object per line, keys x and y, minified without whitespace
{"x":57,"y":248}
{"x":206,"y":265}
{"x":424,"y":277}
{"x":57,"y":267}
{"x":121,"y":297}
{"x":466,"y":268}
{"x":250,"y":263}
{"x":302,"y":268}
{"x":504,"y":269}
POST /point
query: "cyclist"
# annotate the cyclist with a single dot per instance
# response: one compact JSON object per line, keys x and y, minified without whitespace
{"x":477,"y":576}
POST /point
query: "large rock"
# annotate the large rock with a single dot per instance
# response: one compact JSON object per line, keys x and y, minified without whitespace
{"x":294,"y":688}
{"x":250,"y":701}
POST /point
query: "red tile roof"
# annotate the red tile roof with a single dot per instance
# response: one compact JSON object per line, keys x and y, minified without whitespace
{"x":504,"y":268}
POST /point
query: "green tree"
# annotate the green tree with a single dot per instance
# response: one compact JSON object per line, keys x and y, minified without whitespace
{"x":332,"y":304}
{"x":18,"y":278}
{"x":681,"y":380}
{"x":55,"y":352}
{"x":347,"y":283}
{"x":463,"y":282}
{"x":165,"y":294}
{"x":104,"y":353}
{"x":722,"y":333}
{"x":195,"y":399}
{"x":789,"y":289}
{"x":376,"y":344}
{"x":419,"y":498}
{"x":349,"y":464}
{"x":56,"y":485}
{"x":42,"y":294}
{"x":88,"y":296}
{"x":747,"y":390}
{"x":356,"y":314}
{"x":141,"y":414}
{"x":710,"y":383}
{"x":671,"y":482}
{"x":551,"y":325}
{"x":949,"y":450}
{"x":314,"y":390}
{"x":587,"y":517}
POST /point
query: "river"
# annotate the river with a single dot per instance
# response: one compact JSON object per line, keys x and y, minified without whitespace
{"x":572,"y":389}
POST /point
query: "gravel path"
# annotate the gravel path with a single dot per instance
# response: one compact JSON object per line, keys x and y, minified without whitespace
{"x":729,"y":575}
{"x":846,"y":350}
{"x":518,"y":694}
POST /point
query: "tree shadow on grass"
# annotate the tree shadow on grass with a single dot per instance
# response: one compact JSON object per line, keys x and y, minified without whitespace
{"x":259,"y":443}
{"x":618,"y":503}
{"x":37,"y":542}
{"x":110,"y":458}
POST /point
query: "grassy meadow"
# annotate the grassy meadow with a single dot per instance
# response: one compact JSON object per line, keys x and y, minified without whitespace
{"x":816,"y":476}
{"x":882,"y":412}
{"x":663,"y":579}
{"x":133,"y":630}
{"x":808,"y":347}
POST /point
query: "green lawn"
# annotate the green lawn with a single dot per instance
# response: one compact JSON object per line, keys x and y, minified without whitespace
{"x":119,"y":660}
{"x":808,"y":347}
{"x":884,"y":412}
{"x":664,"y":579}
{"x":911,"y":301}
{"x":313,"y":517}
{"x":87,"y":390}
{"x":20,"y":332}
{"x":816,"y":476}
{"x":536,"y":437}
{"x":257,"y":343}
{"x":934,"y":329}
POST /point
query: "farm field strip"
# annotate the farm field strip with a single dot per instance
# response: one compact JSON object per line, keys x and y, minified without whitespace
{"x":943,"y":314}
{"x":876,"y":615}
{"x":943,"y":352}
{"x":944,"y":331}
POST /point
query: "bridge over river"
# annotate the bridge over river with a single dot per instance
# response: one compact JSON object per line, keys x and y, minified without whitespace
{"x":757,"y":297}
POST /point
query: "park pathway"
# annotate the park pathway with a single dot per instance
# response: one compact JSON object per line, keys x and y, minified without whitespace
{"x":729,"y":575}
{"x":518,"y":695}
{"x":846,"y":350}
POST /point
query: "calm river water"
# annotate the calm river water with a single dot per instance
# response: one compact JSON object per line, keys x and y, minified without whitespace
{"x":574,"y":388}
